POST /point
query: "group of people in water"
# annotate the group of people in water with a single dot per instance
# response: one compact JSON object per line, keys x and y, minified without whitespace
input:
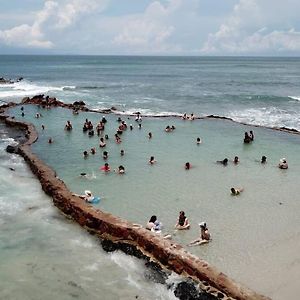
{"x":153,"y":224}
{"x":182,"y":223}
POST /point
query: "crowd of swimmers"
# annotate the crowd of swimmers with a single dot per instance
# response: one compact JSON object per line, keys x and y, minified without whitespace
{"x":153,"y":224}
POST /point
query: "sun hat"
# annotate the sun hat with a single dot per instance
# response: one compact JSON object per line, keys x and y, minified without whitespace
{"x":88,"y":193}
{"x":202,"y":224}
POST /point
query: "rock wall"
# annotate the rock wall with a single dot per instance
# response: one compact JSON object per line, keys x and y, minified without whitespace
{"x":169,"y":254}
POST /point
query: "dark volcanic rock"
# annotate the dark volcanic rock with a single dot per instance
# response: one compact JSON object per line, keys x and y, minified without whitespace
{"x":109,"y":246}
{"x":79,"y":103}
{"x":12,"y":149}
{"x":155,"y":272}
{"x":187,"y":290}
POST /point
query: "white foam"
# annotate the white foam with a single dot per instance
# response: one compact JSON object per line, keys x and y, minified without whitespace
{"x":25,"y":88}
{"x":295,"y":97}
{"x":267,"y":116}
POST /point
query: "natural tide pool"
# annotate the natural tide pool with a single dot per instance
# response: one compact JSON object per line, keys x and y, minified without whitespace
{"x":256,"y":236}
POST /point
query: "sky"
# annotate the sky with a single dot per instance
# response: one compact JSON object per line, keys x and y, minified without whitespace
{"x":147,"y":27}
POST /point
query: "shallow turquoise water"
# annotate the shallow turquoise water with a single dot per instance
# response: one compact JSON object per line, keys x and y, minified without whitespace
{"x":248,"y":231}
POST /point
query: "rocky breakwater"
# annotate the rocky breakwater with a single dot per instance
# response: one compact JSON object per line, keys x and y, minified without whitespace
{"x":123,"y":233}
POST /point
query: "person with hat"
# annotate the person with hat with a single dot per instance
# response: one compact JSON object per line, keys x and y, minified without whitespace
{"x":283,"y":164}
{"x":204,"y":236}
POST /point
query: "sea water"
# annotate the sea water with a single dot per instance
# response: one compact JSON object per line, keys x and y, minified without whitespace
{"x":44,"y":255}
{"x":246,"y":229}
{"x":255,"y":90}
{"x":255,"y":236}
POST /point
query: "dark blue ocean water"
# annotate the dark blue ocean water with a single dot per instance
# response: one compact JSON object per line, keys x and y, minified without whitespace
{"x":255,"y":90}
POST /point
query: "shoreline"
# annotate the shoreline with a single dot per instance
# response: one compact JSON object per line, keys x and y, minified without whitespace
{"x":121,"y":232}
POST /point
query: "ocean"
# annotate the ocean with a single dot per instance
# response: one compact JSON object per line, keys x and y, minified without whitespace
{"x":255,"y":236}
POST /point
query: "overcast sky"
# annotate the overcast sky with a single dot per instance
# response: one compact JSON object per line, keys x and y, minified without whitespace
{"x":145,"y":27}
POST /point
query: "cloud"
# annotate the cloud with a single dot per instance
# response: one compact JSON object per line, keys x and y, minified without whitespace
{"x":150,"y":30}
{"x":252,"y":28}
{"x":50,"y":20}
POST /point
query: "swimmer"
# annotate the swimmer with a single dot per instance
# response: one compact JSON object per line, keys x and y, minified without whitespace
{"x":150,"y":135}
{"x":103,"y":120}
{"x":130,"y":127}
{"x":93,"y":150}
{"x":247,"y":138}
{"x":236,"y":191}
{"x":22,"y":114}
{"x":251,"y":135}
{"x":283,"y":164}
{"x":168,"y":129}
{"x":198,"y":141}
{"x":105,"y":155}
{"x":236,"y":160}
{"x":106,"y":137}
{"x":38,"y":115}
{"x":120,"y":170}
{"x":204,"y":236}
{"x":102,"y":143}
{"x":43,"y":127}
{"x":182,"y":222}
{"x":187,"y":166}
{"x":152,"y":160}
{"x":50,"y":140}
{"x":105,"y":168}
{"x":263,"y":159}
{"x":68,"y":126}
{"x":117,"y":139}
{"x":122,"y":152}
{"x":140,"y":126}
{"x":85,"y":154}
{"x":91,"y":133}
{"x":224,"y":162}
{"x":184,"y":117}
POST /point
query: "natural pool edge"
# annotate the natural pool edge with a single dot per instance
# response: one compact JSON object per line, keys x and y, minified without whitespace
{"x":138,"y":241}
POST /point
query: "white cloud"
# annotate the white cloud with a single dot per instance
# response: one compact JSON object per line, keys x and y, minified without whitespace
{"x":252,"y":28}
{"x":52,"y":18}
{"x":150,"y":30}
